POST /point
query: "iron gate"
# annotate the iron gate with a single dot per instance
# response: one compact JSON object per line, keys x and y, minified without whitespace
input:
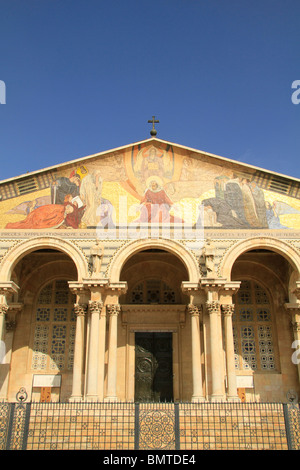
{"x":149,"y":426}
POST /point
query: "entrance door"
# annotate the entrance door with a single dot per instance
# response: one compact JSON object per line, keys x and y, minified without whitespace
{"x":153,"y":367}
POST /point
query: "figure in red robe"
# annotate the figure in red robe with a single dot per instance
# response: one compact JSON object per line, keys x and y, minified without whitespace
{"x":51,"y":216}
{"x":156,"y":206}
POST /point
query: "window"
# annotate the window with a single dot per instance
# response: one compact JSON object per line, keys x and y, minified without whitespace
{"x":54,"y":328}
{"x":152,"y":291}
{"x":253,"y":329}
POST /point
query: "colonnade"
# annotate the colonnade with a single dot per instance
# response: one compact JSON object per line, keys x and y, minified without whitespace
{"x":98,"y":303}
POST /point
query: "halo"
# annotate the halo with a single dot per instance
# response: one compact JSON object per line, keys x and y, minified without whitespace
{"x":155,"y":178}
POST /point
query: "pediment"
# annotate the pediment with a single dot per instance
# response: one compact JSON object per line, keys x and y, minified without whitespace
{"x":80,"y":193}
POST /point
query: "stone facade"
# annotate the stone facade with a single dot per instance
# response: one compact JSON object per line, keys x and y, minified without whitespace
{"x":72,"y":298}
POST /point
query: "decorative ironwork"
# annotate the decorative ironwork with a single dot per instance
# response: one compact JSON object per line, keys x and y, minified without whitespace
{"x":157,"y":428}
{"x":149,"y":426}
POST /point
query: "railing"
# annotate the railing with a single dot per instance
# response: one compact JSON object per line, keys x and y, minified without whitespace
{"x":149,"y":426}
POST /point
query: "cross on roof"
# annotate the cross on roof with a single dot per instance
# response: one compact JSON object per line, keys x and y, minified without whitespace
{"x":153,"y":121}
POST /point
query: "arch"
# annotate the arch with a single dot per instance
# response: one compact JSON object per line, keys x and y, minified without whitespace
{"x":170,"y":246}
{"x":268,"y":243}
{"x":16,"y":253}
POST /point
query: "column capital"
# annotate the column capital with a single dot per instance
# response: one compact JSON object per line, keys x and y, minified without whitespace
{"x":228,"y":309}
{"x":296,"y":326}
{"x":3,"y":309}
{"x":80,"y":309}
{"x":113,"y":309}
{"x":194,"y":310}
{"x":95,"y":306}
{"x":296,"y":291}
{"x":213,"y":307}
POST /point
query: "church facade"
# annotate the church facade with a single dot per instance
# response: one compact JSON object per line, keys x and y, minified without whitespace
{"x":150,"y":273}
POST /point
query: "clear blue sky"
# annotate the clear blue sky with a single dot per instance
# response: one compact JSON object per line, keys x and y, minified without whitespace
{"x":84,"y":76}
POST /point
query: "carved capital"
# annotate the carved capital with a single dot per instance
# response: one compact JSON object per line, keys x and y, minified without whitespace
{"x":296,"y":326}
{"x":213,"y":307}
{"x":80,"y":309}
{"x":296,"y":292}
{"x":95,"y":306}
{"x":194,"y":310}
{"x":113,"y":309}
{"x":3,"y":309}
{"x":227,"y":309}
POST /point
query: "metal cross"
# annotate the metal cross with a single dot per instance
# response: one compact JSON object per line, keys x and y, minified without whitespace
{"x":153,"y":121}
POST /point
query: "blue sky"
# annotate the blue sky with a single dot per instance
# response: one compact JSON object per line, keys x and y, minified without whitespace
{"x":84,"y":76}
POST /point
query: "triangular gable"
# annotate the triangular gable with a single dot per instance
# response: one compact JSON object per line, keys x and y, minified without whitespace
{"x":80,"y":193}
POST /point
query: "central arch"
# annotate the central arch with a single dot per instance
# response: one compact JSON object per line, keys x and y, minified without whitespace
{"x":170,"y":246}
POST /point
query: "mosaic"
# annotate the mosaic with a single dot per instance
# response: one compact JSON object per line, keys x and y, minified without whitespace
{"x":149,"y":183}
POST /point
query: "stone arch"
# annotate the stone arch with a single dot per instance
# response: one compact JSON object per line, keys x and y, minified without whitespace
{"x":175,"y":248}
{"x":16,"y":253}
{"x":269,"y":243}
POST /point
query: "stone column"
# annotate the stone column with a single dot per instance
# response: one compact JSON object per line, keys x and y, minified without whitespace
{"x":101,"y":353}
{"x":217,"y":366}
{"x":3,"y":312}
{"x":95,"y":308}
{"x":77,"y":386}
{"x":194,"y":312}
{"x":228,"y":310}
{"x":294,"y":313}
{"x":113,"y":311}
{"x":7,"y":290}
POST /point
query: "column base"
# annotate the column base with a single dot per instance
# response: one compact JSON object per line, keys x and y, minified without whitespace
{"x":91,"y":398}
{"x":111,"y":399}
{"x":76,"y":399}
{"x":218,"y":398}
{"x":199,"y":399}
{"x":234,"y":398}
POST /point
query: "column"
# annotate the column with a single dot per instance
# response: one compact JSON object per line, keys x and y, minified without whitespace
{"x":217,"y":367}
{"x":294,"y":312}
{"x":95,"y":308}
{"x":113,"y":311}
{"x":14,"y":309}
{"x":228,"y":310}
{"x":77,"y":386}
{"x":3,"y":312}
{"x":101,"y":353}
{"x":7,"y":290}
{"x":194,"y":312}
